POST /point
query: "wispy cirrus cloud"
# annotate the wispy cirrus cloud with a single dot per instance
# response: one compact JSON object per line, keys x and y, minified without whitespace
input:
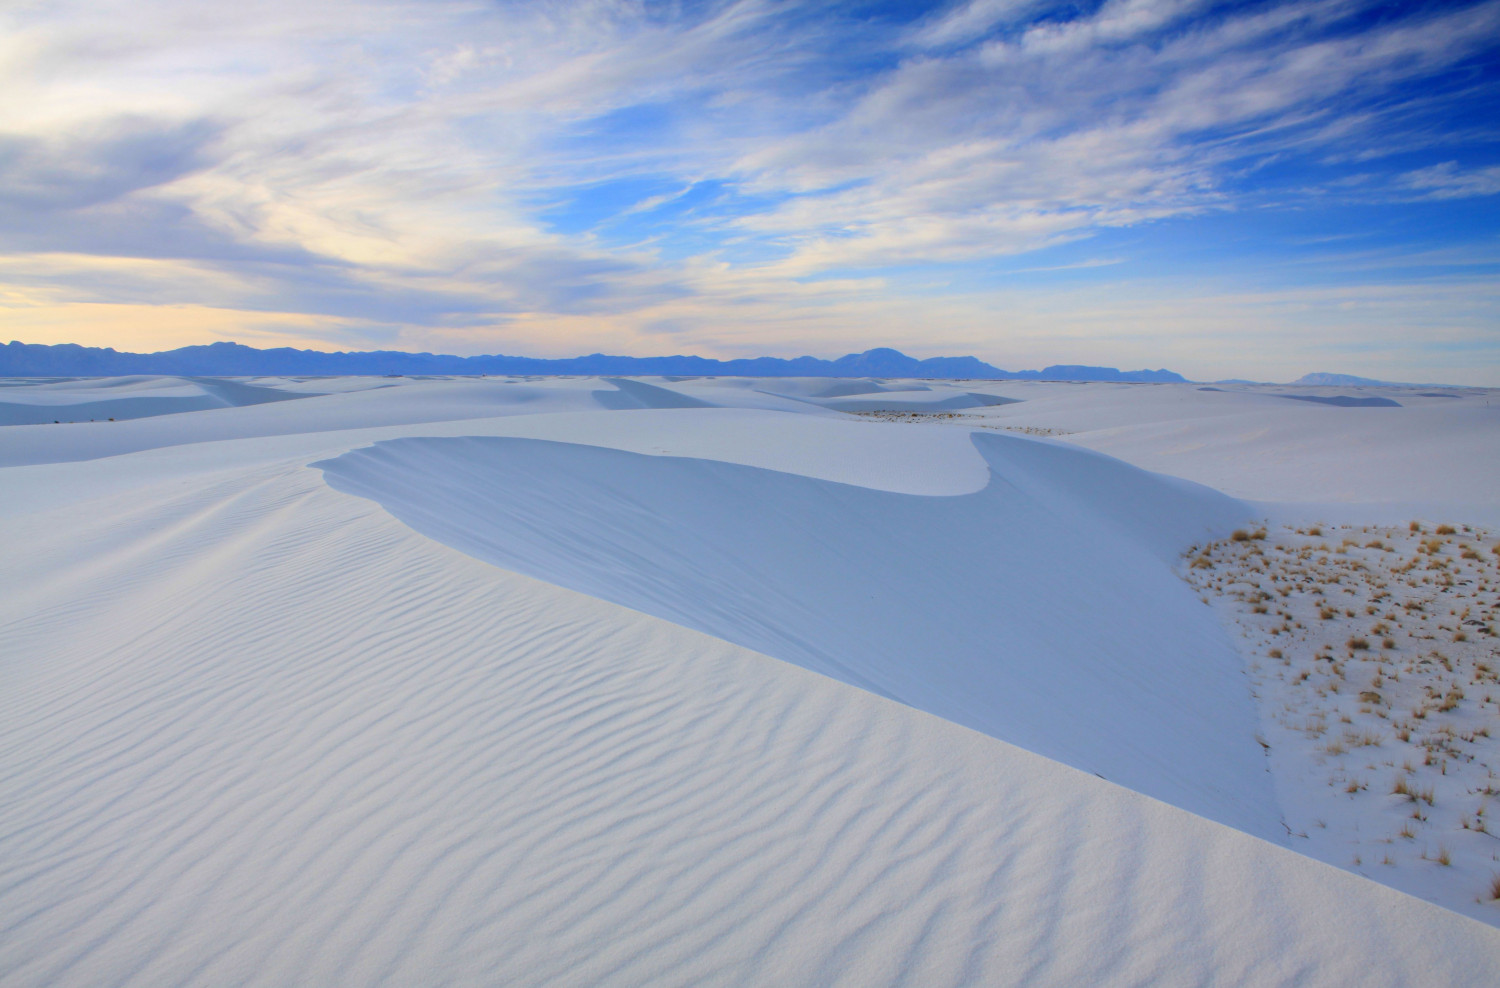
{"x":1449,"y":181}
{"x":519,"y":173}
{"x":1139,"y":112}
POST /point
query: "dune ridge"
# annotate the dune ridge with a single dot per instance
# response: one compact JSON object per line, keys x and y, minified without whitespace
{"x":258,"y":730}
{"x":1041,"y":610}
{"x":486,"y":773}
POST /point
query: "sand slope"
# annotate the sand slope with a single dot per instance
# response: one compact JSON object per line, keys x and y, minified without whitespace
{"x":1041,"y":610}
{"x":1434,"y":456}
{"x":257,"y":730}
{"x":118,"y":399}
{"x":279,"y":738}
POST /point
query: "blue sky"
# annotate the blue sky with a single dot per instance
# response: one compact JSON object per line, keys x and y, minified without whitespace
{"x":1227,"y":189}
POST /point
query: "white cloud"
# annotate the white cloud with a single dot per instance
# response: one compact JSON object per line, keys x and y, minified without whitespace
{"x":358,"y":155}
{"x":1449,"y":181}
{"x":1076,"y":126}
{"x":970,"y":21}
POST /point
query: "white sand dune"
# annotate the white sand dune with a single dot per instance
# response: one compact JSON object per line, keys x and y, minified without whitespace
{"x":915,"y":402}
{"x":114,"y":399}
{"x":425,"y":401}
{"x":282,"y":739}
{"x":823,"y":388}
{"x":639,"y":394}
{"x":258,"y":730}
{"x":1430,"y":456}
{"x":1041,"y":610}
{"x":860,"y":396}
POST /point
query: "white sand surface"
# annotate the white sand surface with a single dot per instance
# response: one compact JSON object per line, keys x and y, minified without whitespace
{"x":1432,"y":456}
{"x":1042,"y":609}
{"x":494,"y":717}
{"x":120,"y":398}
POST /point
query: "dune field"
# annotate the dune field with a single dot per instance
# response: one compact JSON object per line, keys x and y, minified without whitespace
{"x":616,"y":681}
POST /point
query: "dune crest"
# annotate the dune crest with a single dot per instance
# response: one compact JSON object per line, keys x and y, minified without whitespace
{"x":305,"y":745}
{"x":1041,"y":610}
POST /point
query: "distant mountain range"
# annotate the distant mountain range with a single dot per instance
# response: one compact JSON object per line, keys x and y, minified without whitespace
{"x":1324,"y":379}
{"x":235,"y":360}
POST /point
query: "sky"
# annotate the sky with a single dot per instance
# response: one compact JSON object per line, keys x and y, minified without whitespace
{"x":1245,"y":189}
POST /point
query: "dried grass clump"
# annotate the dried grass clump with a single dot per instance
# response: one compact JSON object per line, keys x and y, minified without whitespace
{"x":1447,"y":530}
{"x":1357,"y":644}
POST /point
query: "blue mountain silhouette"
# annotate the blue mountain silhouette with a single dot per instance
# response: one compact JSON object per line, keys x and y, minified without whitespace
{"x":236,"y":360}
